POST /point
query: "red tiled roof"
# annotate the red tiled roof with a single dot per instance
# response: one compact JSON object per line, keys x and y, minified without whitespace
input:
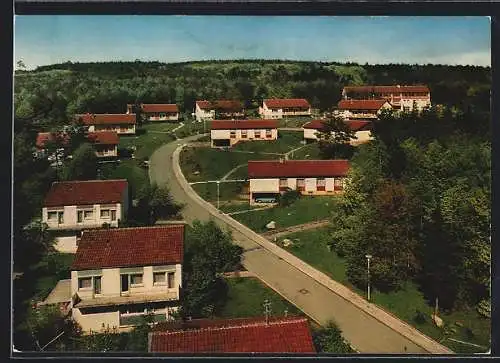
{"x":284,"y":335}
{"x":243,"y":124}
{"x":107,"y":118}
{"x":386,"y":89}
{"x":222,"y":105}
{"x":44,"y":137}
{"x":85,"y":192}
{"x":127,"y":247}
{"x":159,"y":107}
{"x":361,"y":104}
{"x":104,"y":137}
{"x":297,"y":168}
{"x":287,"y":103}
{"x":354,"y":125}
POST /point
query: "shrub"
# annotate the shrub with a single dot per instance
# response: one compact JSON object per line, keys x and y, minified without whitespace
{"x":288,"y":198}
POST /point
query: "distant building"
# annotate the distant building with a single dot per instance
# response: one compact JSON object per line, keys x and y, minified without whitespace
{"x":244,"y":335}
{"x":44,"y":138}
{"x":361,"y":128}
{"x":228,"y":132}
{"x":220,"y":109}
{"x":157,"y":111}
{"x":121,"y":274}
{"x":287,"y":107}
{"x":400,"y":97}
{"x":122,"y":124}
{"x":105,"y":143}
{"x":361,"y":109}
{"x":72,"y":206}
{"x":270,"y":178}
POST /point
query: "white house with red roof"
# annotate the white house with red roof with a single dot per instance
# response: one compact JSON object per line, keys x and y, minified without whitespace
{"x":278,"y":108}
{"x":120,"y":274}
{"x":400,"y":97}
{"x":362,"y":130}
{"x":290,"y":334}
{"x":105,"y":143}
{"x":229,"y":132}
{"x":270,"y":178}
{"x":219,"y":109}
{"x":121,"y":123}
{"x":361,"y":109}
{"x":158,"y":111}
{"x":71,"y":206}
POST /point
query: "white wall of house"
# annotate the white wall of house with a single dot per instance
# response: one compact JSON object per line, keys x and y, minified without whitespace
{"x":264,"y":185}
{"x":121,"y":129}
{"x":94,"y":219}
{"x":202,"y":114}
{"x":310,"y":134}
{"x":362,"y":137}
{"x":66,"y":244}
{"x":408,"y":103}
{"x":235,"y":136}
{"x":268,"y":113}
{"x":162,"y":116}
{"x":109,"y":151}
{"x":94,"y":322}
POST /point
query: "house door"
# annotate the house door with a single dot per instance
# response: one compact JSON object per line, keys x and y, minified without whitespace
{"x":124,"y":283}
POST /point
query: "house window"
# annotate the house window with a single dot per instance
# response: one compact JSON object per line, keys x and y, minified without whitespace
{"x":136,"y":279}
{"x":233,"y":134}
{"x":88,"y":214}
{"x":52,"y":216}
{"x":320,"y":184}
{"x":257,"y":134}
{"x":113,"y":215}
{"x":159,"y":278}
{"x":97,"y":284}
{"x":283,"y":184}
{"x":338,"y":184}
{"x":85,"y":283}
{"x":171,"y":280}
{"x":301,"y":184}
{"x":269,"y":133}
{"x":104,"y":213}
{"x":244,"y":134}
{"x":163,"y":115}
{"x":79,"y":216}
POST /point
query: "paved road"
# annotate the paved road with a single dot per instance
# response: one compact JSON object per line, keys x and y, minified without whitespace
{"x":363,"y":331}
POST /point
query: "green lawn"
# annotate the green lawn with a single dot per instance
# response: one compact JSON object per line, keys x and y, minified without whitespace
{"x":311,"y":247}
{"x":127,"y":169}
{"x":213,"y":164}
{"x":147,"y":142}
{"x":236,"y":206}
{"x":192,"y":128}
{"x":246,"y":297}
{"x":309,"y":152}
{"x":306,"y":209}
{"x":159,"y":126}
{"x":287,"y":140}
{"x":227,"y":191}
{"x":293,"y":121}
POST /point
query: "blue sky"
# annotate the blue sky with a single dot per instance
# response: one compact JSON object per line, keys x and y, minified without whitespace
{"x":42,"y":40}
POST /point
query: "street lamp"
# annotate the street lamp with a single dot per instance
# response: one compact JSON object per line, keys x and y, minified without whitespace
{"x":368,"y":257}
{"x":218,"y":182}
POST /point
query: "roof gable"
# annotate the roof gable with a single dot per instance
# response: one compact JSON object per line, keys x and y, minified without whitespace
{"x":297,"y":168}
{"x":127,"y":247}
{"x":284,"y":335}
{"x":85,"y":192}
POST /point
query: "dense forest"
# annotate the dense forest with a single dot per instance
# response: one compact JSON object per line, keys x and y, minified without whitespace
{"x":51,"y":94}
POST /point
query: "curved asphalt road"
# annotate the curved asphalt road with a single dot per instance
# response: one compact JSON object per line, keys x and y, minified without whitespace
{"x":363,"y":331}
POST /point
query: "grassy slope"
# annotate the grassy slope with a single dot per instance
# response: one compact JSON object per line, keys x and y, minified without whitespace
{"x":312,"y":248}
{"x":287,"y":140}
{"x":306,"y":209}
{"x":146,"y":143}
{"x":246,"y":296}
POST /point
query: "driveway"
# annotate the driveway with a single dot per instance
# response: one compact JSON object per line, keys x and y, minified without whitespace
{"x":365,"y":332}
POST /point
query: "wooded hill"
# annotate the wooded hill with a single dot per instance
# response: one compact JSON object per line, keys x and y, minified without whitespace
{"x":54,"y":93}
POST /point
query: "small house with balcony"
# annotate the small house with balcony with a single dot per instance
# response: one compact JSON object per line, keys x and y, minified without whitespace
{"x":285,"y":107}
{"x":270,"y":178}
{"x":290,"y":334}
{"x":157,"y":111}
{"x":105,"y":143}
{"x":402,"y":98}
{"x":226,"y":133}
{"x":122,"y":123}
{"x":362,"y":109}
{"x":220,"y":109}
{"x":121,"y":274}
{"x":361,"y":128}
{"x":72,"y":206}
